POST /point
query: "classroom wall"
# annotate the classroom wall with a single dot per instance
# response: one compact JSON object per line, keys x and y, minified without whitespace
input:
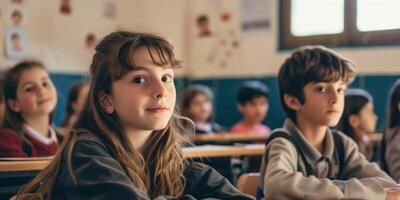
{"x":225,"y":90}
{"x":378,"y":68}
{"x":260,"y":55}
{"x":58,"y":41}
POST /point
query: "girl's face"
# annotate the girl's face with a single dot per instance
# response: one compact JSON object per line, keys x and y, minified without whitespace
{"x":367,"y":119}
{"x":143,"y":99}
{"x":36,"y":94}
{"x":200,"y":108}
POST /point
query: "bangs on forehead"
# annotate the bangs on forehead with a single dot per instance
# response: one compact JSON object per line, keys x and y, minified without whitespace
{"x":160,"y":51}
{"x":339,"y":71}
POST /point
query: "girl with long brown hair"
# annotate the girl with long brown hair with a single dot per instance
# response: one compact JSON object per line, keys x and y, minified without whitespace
{"x":126,"y":144}
{"x":359,"y":120}
{"x":30,"y":99}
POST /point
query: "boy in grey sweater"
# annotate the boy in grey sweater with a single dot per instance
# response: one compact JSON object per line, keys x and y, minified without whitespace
{"x":312,"y":161}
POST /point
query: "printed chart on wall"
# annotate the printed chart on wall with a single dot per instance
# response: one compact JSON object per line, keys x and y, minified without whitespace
{"x":255,"y":16}
{"x":213,"y":36}
{"x":15,"y":37}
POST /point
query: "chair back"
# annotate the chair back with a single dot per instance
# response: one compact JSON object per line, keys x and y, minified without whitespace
{"x":248,"y":183}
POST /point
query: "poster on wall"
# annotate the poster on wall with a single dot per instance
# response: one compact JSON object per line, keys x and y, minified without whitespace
{"x":15,"y":43}
{"x":109,"y":9}
{"x":15,"y":16}
{"x":255,"y":16}
{"x":213,"y":42}
{"x":16,"y":2}
{"x":15,"y":37}
{"x":90,"y":41}
{"x":65,"y":7}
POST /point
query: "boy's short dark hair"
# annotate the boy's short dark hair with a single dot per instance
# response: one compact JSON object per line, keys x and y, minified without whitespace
{"x":250,"y":90}
{"x":311,"y":64}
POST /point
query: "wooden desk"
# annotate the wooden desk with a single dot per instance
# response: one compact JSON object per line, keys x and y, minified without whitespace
{"x":23,"y":164}
{"x":36,"y":164}
{"x":228,"y":137}
{"x":208,"y":151}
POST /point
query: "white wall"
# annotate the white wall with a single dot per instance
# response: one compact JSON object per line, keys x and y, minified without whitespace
{"x":261,"y":57}
{"x":165,"y":18}
{"x":58,"y":40}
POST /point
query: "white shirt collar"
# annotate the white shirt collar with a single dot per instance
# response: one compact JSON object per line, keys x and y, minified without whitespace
{"x":38,"y":136}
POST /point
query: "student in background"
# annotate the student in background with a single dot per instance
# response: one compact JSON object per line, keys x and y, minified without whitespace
{"x":359,"y":120}
{"x":126,"y":144}
{"x":30,"y":98}
{"x":196,"y":103}
{"x":2,"y":102}
{"x":253,"y":104}
{"x":305,"y":159}
{"x":76,"y":99}
{"x":390,"y":146}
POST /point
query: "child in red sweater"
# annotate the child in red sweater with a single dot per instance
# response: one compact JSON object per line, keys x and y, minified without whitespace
{"x":30,"y":98}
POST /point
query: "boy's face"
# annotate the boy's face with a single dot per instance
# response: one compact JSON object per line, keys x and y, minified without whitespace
{"x":324,"y":103}
{"x":254,"y":110}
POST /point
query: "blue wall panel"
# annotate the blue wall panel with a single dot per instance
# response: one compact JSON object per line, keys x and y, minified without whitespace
{"x":63,"y":82}
{"x":225,"y":90}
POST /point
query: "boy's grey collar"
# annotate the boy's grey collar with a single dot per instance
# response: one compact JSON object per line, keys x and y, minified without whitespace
{"x":311,"y":153}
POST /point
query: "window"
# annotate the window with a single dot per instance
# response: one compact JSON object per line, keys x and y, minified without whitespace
{"x":339,"y":22}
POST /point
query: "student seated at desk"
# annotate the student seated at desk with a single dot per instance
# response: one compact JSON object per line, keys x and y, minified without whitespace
{"x":253,"y":104}
{"x":2,"y":102}
{"x":76,"y":99}
{"x":305,"y":159}
{"x":30,"y":98}
{"x":196,"y":103}
{"x":359,"y":120}
{"x":126,"y":145}
{"x":390,"y":145}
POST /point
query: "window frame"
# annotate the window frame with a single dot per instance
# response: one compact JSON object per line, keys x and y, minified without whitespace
{"x":350,"y":36}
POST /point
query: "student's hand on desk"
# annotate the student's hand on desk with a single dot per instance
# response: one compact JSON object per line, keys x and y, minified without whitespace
{"x":392,"y":193}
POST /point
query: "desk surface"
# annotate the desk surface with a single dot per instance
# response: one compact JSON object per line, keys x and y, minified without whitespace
{"x":228,"y":137}
{"x":34,"y":164}
{"x":224,"y":151}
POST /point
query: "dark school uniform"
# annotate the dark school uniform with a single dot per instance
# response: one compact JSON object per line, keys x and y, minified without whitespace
{"x":100,"y":176}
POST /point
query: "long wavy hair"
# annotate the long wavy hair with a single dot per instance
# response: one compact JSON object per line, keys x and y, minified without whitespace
{"x":159,"y":170}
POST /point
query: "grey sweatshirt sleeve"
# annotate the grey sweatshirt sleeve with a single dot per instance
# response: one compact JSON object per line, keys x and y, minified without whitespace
{"x":283,"y":181}
{"x":363,"y":179}
{"x":392,"y":154}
